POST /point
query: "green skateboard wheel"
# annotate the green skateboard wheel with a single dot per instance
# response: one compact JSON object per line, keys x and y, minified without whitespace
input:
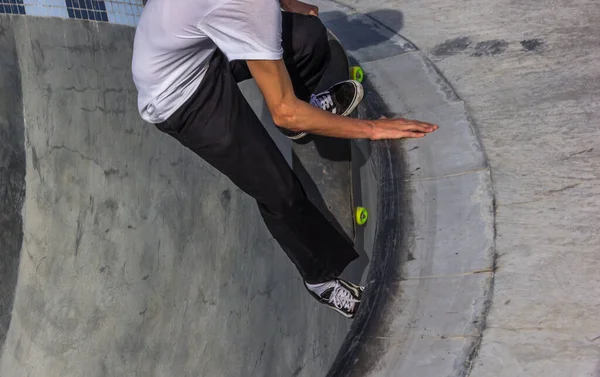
{"x":356,"y":73}
{"x":361,"y":215}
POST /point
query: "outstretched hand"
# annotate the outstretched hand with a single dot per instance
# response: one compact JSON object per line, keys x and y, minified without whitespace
{"x":297,"y":6}
{"x":400,"y":128}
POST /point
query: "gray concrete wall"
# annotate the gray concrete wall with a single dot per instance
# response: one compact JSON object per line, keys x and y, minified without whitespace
{"x":528,"y":73}
{"x":137,"y":258}
{"x":431,"y":271}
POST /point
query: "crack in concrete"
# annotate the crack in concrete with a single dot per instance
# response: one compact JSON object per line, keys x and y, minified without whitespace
{"x":562,"y":189}
{"x":80,"y":154}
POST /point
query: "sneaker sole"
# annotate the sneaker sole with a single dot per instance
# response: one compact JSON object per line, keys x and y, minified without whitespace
{"x":358,"y":97}
{"x":297,"y":136}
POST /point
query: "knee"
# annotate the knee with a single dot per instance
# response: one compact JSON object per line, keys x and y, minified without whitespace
{"x":310,"y":36}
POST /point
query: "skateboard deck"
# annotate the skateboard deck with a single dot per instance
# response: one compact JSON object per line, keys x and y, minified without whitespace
{"x":340,"y":68}
{"x":323,"y":164}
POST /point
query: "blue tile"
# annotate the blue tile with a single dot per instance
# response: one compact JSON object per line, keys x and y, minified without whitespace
{"x":12,"y":7}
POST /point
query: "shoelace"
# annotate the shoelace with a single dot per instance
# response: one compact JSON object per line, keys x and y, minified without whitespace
{"x":342,"y":298}
{"x":323,"y":101}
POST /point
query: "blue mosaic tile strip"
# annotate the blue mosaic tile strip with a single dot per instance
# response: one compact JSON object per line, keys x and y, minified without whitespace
{"x":94,"y":10}
{"x":125,"y":12}
{"x":12,"y":6}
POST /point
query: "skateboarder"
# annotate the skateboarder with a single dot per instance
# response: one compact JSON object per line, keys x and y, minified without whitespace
{"x":189,"y":56}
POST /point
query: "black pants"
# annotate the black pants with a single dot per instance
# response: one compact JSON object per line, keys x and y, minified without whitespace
{"x":220,"y":126}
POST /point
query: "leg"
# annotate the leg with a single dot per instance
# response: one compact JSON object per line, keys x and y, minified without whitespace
{"x":220,"y":126}
{"x":305,"y":51}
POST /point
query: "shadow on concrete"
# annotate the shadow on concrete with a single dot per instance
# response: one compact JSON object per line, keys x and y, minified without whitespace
{"x":12,"y":177}
{"x":360,"y":31}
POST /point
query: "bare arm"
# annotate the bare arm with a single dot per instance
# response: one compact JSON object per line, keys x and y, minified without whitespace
{"x":289,"y":112}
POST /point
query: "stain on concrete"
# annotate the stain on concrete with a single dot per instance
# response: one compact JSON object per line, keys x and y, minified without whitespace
{"x":110,"y":172}
{"x":225,"y":198}
{"x":110,"y":204}
{"x":451,"y":46}
{"x":490,"y":48}
{"x":532,"y":44}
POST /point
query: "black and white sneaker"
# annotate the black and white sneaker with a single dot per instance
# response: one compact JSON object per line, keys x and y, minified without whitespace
{"x":339,"y":295}
{"x":341,"y":99}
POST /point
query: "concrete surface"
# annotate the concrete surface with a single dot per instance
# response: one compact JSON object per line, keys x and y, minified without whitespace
{"x":481,"y":240}
{"x":433,"y":256}
{"x":528,"y":74}
{"x":137,"y":258}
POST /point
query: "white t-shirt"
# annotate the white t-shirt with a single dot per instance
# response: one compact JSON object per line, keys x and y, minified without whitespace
{"x":175,"y":40}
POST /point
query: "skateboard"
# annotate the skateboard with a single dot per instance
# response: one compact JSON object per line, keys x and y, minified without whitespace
{"x":342,"y":69}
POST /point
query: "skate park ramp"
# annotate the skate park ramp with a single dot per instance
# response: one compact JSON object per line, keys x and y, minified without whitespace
{"x":124,"y":254}
{"x":128,"y":255}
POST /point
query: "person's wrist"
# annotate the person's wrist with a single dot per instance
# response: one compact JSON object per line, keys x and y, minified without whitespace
{"x":371,"y":130}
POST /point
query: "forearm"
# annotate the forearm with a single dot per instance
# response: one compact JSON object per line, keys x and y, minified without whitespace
{"x":296,"y":115}
{"x":300,"y":116}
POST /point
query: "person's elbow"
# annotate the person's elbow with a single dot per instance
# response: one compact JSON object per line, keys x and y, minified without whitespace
{"x":285,"y":115}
